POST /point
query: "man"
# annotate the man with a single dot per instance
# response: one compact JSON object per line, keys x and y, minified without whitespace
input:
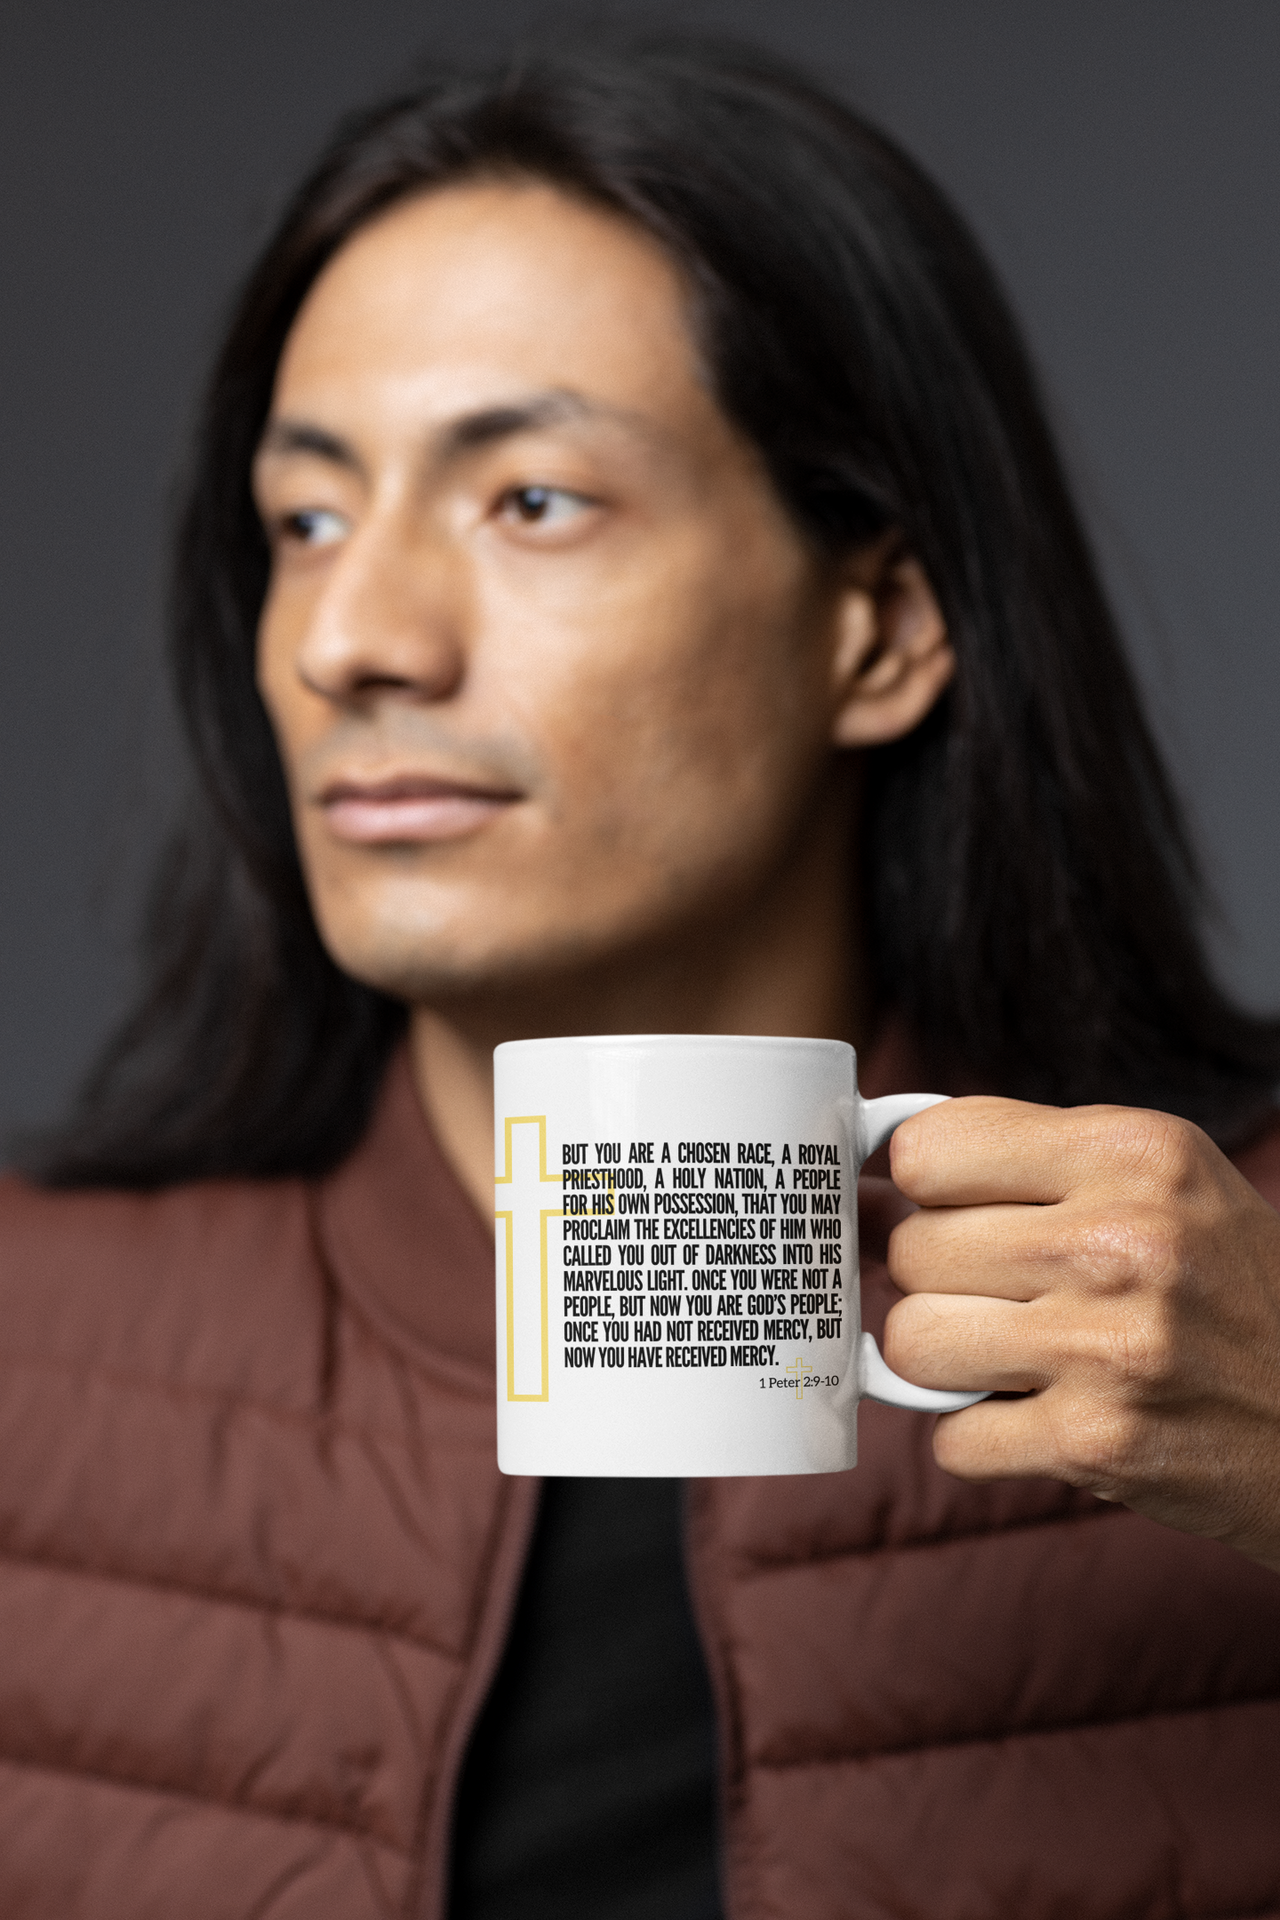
{"x":593,"y":670}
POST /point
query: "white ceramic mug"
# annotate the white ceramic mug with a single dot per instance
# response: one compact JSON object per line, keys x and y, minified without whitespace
{"x":677,"y":1256}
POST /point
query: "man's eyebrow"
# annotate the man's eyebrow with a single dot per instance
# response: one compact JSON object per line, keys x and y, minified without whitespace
{"x":299,"y":436}
{"x":532,"y":415}
{"x":466,"y":434}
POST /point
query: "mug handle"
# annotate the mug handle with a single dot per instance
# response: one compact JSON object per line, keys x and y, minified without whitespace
{"x":875,"y":1121}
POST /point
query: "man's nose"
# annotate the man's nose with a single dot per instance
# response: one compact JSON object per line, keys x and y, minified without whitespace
{"x":392,"y":617}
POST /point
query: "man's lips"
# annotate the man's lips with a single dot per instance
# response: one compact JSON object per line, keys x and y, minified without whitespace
{"x":408,"y":808}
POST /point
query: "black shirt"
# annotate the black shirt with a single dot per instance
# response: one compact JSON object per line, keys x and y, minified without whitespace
{"x":589,"y":1787}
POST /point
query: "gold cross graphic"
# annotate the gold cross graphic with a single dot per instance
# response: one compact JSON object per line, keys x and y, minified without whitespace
{"x":800,"y":1371}
{"x":525,"y":1223}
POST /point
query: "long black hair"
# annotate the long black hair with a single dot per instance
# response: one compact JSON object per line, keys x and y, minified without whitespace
{"x":1031,"y":901}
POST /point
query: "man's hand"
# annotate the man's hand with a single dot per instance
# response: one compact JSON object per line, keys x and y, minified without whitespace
{"x":1113,"y":1266}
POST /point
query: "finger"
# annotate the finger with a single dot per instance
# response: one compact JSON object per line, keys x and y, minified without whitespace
{"x":1060,"y":1434}
{"x":1025,"y":1439}
{"x":982,"y":1151}
{"x":970,"y":1345}
{"x":1006,"y":1252}
{"x":1167,"y":1469}
{"x":1026,"y":1252}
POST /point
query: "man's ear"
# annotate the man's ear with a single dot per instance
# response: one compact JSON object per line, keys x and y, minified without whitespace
{"x":892,"y":656}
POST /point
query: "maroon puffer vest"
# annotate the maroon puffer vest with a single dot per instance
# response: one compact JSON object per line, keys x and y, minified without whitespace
{"x":257,"y":1564}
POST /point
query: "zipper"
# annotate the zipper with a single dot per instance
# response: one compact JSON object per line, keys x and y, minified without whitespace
{"x":500,"y":1583}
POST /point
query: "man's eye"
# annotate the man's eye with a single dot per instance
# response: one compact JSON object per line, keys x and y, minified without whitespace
{"x":543,"y":506}
{"x":314,"y":527}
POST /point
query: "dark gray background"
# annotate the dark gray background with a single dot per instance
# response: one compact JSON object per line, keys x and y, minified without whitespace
{"x":1121,"y":159}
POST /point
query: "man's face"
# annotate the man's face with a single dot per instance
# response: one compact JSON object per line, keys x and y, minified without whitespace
{"x":549,"y":667}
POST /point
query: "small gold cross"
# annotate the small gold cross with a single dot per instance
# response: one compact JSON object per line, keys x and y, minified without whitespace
{"x":800,"y":1371}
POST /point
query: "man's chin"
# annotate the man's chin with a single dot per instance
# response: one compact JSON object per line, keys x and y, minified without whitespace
{"x":454,"y":977}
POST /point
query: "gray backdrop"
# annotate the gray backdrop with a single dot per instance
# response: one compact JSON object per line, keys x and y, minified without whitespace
{"x":1121,"y":159}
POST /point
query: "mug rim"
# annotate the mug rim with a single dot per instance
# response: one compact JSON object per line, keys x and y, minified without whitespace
{"x":733,"y":1041}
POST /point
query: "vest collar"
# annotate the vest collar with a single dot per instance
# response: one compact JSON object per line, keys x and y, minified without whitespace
{"x":404,"y":1240}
